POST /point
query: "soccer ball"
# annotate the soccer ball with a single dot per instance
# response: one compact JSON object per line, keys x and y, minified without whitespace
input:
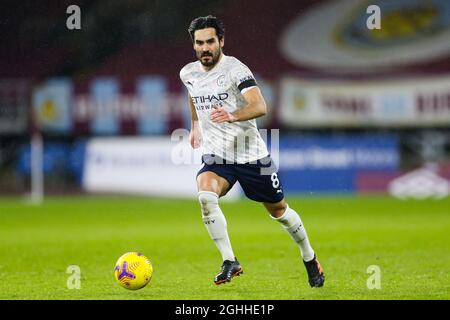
{"x":133,"y":270}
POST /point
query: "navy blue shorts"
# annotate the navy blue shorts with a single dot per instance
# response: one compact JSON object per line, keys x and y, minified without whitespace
{"x":259,"y":180}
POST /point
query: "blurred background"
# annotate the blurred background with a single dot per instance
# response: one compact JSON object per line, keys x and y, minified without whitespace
{"x":92,"y":110}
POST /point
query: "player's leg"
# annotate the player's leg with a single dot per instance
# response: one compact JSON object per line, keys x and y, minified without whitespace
{"x":261,"y":183}
{"x":211,"y":186}
{"x":212,"y":182}
{"x":292,"y":223}
{"x":290,"y":220}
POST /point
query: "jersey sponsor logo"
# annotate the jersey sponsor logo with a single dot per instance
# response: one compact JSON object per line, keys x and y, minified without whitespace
{"x":208,"y":106}
{"x":210,"y":98}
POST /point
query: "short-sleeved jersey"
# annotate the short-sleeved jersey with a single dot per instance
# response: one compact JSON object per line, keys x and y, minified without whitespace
{"x":224,"y":85}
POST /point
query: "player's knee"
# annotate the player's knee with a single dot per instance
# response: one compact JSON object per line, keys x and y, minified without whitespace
{"x":276,"y":210}
{"x":209,"y":201}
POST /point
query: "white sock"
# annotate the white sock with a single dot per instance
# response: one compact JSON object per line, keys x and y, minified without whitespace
{"x":215,"y":223}
{"x":293,"y":225}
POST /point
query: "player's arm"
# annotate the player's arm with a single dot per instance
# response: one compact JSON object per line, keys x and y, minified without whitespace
{"x":256,"y":107}
{"x":194,"y":135}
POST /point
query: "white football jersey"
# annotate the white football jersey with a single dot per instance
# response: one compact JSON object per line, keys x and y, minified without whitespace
{"x":223,"y":86}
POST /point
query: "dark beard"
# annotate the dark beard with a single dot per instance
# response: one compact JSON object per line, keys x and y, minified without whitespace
{"x":213,"y":60}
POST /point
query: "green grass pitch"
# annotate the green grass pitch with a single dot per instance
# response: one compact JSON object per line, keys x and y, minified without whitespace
{"x":408,"y":240}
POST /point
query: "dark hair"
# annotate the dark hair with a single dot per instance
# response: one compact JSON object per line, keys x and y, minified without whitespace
{"x":207,"y":22}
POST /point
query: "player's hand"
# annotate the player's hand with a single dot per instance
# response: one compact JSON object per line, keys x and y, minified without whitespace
{"x":194,"y":139}
{"x":219,"y":115}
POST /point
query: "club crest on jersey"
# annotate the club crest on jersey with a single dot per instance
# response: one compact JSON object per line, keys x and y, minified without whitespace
{"x":221,"y":80}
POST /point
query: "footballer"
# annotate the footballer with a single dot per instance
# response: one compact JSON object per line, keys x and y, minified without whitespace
{"x":224,"y":100}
